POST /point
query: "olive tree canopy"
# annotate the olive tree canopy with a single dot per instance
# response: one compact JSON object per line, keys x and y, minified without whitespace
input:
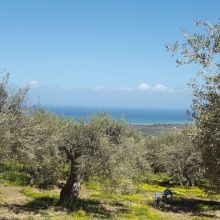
{"x":12,"y":101}
{"x":104,"y":148}
{"x":203,"y":48}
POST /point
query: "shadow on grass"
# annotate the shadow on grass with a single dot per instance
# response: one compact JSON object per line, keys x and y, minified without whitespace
{"x":186,"y":205}
{"x":91,"y":206}
{"x":41,"y":204}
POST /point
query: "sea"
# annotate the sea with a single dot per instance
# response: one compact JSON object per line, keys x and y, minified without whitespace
{"x":134,"y":116}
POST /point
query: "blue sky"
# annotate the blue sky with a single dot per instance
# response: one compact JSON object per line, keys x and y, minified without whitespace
{"x":108,"y":53}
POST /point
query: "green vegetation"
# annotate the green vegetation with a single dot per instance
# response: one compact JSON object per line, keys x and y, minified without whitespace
{"x":14,"y":173}
{"x":107,"y":169}
{"x":95,"y":203}
{"x":203,"y":48}
{"x":119,"y":168}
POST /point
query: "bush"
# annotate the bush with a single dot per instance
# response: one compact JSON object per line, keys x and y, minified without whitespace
{"x":175,"y":155}
{"x":14,"y":172}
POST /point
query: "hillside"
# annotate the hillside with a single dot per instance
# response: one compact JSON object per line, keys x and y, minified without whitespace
{"x":157,"y":129}
{"x":25,"y":202}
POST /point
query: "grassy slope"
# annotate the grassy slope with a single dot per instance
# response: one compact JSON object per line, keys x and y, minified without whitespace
{"x":95,"y":203}
{"x":22,"y":202}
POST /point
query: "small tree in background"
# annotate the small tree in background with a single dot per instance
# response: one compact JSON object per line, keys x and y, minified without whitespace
{"x":175,"y":155}
{"x":12,"y":99}
{"x":29,"y":136}
{"x":12,"y":103}
{"x":203,"y":48}
{"x":40,"y":138}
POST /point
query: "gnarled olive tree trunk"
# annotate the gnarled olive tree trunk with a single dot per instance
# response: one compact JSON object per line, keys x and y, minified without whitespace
{"x":70,"y":190}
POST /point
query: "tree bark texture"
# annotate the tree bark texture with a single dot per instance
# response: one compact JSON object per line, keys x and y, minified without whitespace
{"x":70,"y":190}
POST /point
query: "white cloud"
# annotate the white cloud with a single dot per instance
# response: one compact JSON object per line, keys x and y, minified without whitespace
{"x":125,"y":88}
{"x":144,"y":87}
{"x":160,"y":87}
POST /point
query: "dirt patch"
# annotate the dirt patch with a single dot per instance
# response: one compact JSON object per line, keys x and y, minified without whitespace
{"x":12,"y":195}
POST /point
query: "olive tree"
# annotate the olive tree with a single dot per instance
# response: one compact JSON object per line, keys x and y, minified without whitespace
{"x":203,"y":49}
{"x":12,"y":103}
{"x":39,"y":139}
{"x":103,"y":148}
{"x":29,"y":136}
{"x":12,"y":100}
{"x":175,"y":155}
{"x":182,"y":160}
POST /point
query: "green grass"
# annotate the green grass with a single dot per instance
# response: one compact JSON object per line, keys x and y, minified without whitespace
{"x":45,"y":199}
{"x":140,"y":211}
{"x":92,"y":185}
{"x":36,"y":193}
{"x":96,"y":202}
{"x":145,"y":187}
{"x":137,"y":205}
{"x":1,"y":199}
{"x":13,"y":173}
{"x":161,"y":179}
{"x":80,"y":215}
{"x":14,"y":178}
{"x":126,"y":206}
{"x":193,"y":192}
{"x":42,"y":199}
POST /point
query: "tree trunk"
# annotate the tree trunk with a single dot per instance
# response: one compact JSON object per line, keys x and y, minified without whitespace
{"x":189,"y":181}
{"x":70,"y":190}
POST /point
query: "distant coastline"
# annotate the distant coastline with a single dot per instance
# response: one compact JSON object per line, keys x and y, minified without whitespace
{"x":132,"y":116}
{"x":156,"y":129}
